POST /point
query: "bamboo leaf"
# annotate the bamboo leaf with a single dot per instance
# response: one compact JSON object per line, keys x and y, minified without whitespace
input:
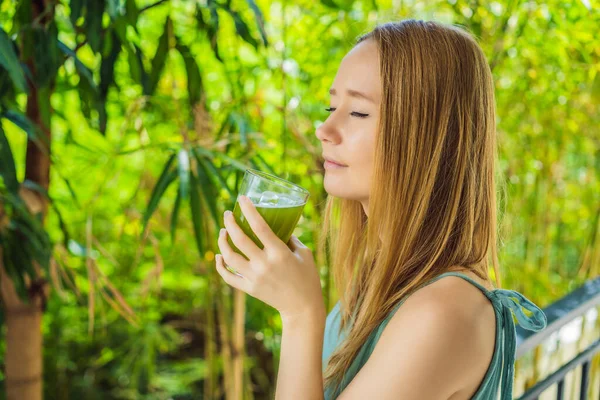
{"x":196,"y":211}
{"x":10,"y":61}
{"x":160,"y":57}
{"x":76,"y":7}
{"x":33,"y":132}
{"x":211,"y":28}
{"x":228,"y":160}
{"x":264,"y":164}
{"x":7,"y":165}
{"x":46,"y":54}
{"x":107,"y":77}
{"x":260,"y":21}
{"x":242,"y":29}
{"x":10,"y":264}
{"x":183,"y":166}
{"x":194,"y":79}
{"x":167,"y":176}
{"x":132,"y":12}
{"x":208,"y":192}
{"x":175,"y":215}
{"x":83,"y":70}
{"x":215,"y":175}
{"x":93,"y":23}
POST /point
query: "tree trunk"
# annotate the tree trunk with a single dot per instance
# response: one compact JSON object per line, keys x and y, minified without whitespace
{"x":24,"y":362}
{"x":23,"y":342}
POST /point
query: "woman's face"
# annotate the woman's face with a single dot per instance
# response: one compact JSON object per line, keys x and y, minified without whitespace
{"x":348,"y":134}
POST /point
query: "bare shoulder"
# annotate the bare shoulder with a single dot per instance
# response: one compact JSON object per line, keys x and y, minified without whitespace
{"x":438,"y":345}
{"x":457,"y":315}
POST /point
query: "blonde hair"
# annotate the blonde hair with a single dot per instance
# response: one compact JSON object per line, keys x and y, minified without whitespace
{"x":432,"y":202}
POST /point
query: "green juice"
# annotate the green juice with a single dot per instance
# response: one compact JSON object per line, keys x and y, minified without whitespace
{"x":281,"y":219}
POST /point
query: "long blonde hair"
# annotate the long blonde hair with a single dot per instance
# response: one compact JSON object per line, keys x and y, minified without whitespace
{"x":432,"y":204}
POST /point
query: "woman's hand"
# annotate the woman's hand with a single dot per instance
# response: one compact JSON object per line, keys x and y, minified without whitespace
{"x":283,"y":276}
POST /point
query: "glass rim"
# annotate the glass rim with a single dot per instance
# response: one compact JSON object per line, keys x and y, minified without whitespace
{"x":278,"y":181}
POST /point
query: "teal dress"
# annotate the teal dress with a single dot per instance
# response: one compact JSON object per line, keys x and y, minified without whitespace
{"x":500,"y":374}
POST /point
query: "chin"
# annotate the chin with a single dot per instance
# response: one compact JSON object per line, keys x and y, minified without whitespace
{"x":338,"y":186}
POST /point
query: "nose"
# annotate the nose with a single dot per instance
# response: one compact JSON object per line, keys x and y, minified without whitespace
{"x":328,"y":132}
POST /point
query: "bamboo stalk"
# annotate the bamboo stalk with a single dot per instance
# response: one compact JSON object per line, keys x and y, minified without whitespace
{"x":224,"y":330}
{"x":239,"y":312}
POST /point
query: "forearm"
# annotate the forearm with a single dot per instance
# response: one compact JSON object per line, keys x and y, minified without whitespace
{"x":300,"y":367}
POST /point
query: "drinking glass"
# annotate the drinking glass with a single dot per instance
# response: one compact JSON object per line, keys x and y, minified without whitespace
{"x":277,"y":200}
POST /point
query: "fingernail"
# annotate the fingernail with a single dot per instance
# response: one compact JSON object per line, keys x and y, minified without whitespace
{"x":227,"y":213}
{"x":222,"y":232}
{"x":243,"y":198}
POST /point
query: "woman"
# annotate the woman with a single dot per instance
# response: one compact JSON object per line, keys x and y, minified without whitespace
{"x":410,"y":148}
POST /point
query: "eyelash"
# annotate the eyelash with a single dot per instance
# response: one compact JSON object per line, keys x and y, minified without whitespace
{"x":354,"y":113}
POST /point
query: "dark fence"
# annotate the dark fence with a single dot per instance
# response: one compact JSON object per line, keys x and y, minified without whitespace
{"x":560,"y":313}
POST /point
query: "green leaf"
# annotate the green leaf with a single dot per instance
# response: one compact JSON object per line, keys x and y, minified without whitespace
{"x":242,"y":29}
{"x":213,"y":172}
{"x":7,"y":165}
{"x":175,"y":214}
{"x":160,"y":57}
{"x":33,"y":132}
{"x":83,"y":70}
{"x":209,"y":193}
{"x":7,"y":88}
{"x":183,"y":166}
{"x":194,"y":79}
{"x":132,"y":12}
{"x":107,"y":77}
{"x":93,"y":23}
{"x":260,"y":21}
{"x":113,"y":8}
{"x":264,"y":164}
{"x":211,"y":28}
{"x":46,"y":54}
{"x":12,"y":265}
{"x":76,"y":7}
{"x":10,"y":61}
{"x":167,"y":176}
{"x":228,"y":160}
{"x":196,"y":211}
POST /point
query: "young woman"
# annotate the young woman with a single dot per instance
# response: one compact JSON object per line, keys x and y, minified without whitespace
{"x":410,"y":147}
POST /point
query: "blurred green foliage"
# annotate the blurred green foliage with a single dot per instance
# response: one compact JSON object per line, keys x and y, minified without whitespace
{"x":142,"y":89}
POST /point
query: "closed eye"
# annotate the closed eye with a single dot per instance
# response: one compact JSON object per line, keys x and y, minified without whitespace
{"x":354,"y":113}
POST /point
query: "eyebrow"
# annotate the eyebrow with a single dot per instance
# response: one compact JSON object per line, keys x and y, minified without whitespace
{"x":353,"y":93}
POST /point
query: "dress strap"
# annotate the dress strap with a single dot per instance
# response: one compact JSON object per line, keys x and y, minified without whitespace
{"x":529,"y":316}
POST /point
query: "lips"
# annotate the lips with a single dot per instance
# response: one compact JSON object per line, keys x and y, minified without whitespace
{"x":333,"y":161}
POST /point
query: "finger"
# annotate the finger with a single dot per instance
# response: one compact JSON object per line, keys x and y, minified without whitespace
{"x":231,"y":279}
{"x":231,"y":257}
{"x":239,"y":237}
{"x":228,"y":268}
{"x":259,"y":226}
{"x":295,"y":244}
